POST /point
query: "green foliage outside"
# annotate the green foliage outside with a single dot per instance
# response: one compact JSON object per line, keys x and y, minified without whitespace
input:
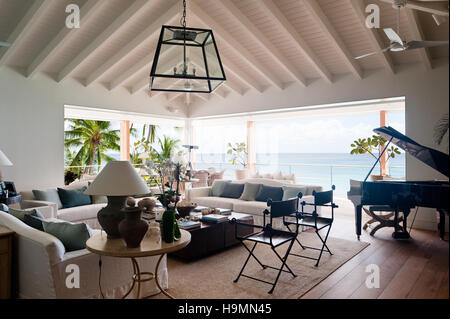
{"x":238,"y":152}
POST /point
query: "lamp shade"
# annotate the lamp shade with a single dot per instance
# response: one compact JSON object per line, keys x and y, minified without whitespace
{"x":4,"y":161}
{"x":118,"y":178}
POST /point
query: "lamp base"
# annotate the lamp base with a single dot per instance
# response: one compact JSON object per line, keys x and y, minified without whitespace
{"x":111,"y":215}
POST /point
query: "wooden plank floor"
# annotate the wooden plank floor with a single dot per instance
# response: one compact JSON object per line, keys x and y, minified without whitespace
{"x":417,"y":268}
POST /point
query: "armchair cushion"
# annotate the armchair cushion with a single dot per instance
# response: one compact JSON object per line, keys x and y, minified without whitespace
{"x":292,"y":191}
{"x":33,"y":221}
{"x":73,"y":236}
{"x":20,"y":214}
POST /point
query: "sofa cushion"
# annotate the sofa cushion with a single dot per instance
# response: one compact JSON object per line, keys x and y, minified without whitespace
{"x":250,"y":207}
{"x":3,"y":207}
{"x":49,"y":195}
{"x":73,"y":197}
{"x":20,"y":214}
{"x":80,"y":213}
{"x":266,"y":192}
{"x":73,"y":236}
{"x":292,"y":191}
{"x":250,"y":191}
{"x":232,"y":190}
{"x":218,"y":186}
{"x":216,"y":202}
{"x":33,"y":221}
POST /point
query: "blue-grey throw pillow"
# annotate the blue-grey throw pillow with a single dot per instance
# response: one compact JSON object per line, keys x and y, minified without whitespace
{"x":73,"y":236}
{"x":266,"y":192}
{"x":49,"y":195}
{"x":3,"y":207}
{"x":232,"y":190}
{"x":34,"y":221}
{"x":20,"y":213}
{"x":217,"y":187}
{"x":292,"y":191}
{"x":74,"y":197}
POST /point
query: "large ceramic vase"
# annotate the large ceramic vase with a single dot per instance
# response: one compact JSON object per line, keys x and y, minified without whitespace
{"x":133,"y":228}
{"x":110,"y":216}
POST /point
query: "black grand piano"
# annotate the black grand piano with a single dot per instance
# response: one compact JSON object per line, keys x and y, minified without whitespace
{"x":402,"y":196}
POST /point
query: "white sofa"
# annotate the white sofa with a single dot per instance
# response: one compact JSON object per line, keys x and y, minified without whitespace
{"x":40,"y":262}
{"x":201,"y":196}
{"x":85,"y":213}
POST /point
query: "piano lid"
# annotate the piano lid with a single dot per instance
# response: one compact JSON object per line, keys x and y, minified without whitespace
{"x":433,"y":158}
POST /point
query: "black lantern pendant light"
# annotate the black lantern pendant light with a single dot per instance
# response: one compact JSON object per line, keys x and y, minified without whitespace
{"x":186,"y":60}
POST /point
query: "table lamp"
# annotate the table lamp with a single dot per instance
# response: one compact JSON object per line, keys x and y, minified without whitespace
{"x":4,"y":161}
{"x":117,"y":180}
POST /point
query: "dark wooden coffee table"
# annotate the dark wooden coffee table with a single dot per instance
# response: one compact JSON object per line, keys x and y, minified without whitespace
{"x":210,"y":238}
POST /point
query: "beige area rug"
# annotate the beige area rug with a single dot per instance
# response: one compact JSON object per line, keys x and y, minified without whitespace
{"x":212,"y":276}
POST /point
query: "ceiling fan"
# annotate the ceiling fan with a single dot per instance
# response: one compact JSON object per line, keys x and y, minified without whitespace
{"x":437,"y":8}
{"x":4,"y":44}
{"x":397,"y":43}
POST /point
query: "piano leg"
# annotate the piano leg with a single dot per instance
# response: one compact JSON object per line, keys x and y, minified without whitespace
{"x":441,"y":225}
{"x":358,"y":220}
{"x":400,"y":233}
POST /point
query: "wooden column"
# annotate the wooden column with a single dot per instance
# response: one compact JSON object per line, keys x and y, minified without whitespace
{"x":251,"y":151}
{"x":125,"y":140}
{"x":383,"y":162}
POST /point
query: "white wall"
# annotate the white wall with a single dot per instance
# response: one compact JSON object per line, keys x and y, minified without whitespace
{"x":32,"y":126}
{"x":427,"y":99}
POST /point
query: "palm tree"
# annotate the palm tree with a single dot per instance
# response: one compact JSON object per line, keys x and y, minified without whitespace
{"x":93,"y":139}
{"x":167,"y":146}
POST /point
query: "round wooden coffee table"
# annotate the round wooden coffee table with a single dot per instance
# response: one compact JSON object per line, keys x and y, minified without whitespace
{"x":100,"y":245}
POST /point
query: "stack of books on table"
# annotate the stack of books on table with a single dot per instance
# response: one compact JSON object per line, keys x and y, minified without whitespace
{"x":224,"y":211}
{"x":214,"y":218}
{"x":189,"y":224}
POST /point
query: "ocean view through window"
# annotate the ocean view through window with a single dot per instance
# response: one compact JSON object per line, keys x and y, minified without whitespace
{"x":314,"y":147}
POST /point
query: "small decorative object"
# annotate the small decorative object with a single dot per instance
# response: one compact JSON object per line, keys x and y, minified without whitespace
{"x":154,"y":230}
{"x":168,"y":221}
{"x":117,"y":180}
{"x":133,"y":228}
{"x":208,"y":211}
{"x":131,"y":202}
{"x":147,"y":204}
{"x":369,"y":146}
{"x":185,"y":207}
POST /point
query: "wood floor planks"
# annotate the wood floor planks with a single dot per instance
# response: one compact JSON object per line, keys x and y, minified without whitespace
{"x":417,"y":268}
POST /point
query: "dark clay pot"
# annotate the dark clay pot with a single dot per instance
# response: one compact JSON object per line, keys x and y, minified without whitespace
{"x":133,"y":227}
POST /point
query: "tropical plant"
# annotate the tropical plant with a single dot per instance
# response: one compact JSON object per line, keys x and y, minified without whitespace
{"x":373,"y":144}
{"x":167,"y":148}
{"x":144,"y":144}
{"x":441,"y":129}
{"x":238,"y":153}
{"x":91,"y":139}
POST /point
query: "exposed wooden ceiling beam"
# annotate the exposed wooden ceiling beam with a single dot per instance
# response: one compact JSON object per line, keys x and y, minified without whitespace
{"x":188,"y":98}
{"x":87,"y":11}
{"x":229,"y":66}
{"x":326,"y":26}
{"x":174,"y":96}
{"x":417,"y":34}
{"x":265,"y":43}
{"x":202,"y":96}
{"x":118,"y":24}
{"x":375,"y":39}
{"x":37,"y":9}
{"x":240,"y":50}
{"x":275,"y":13}
{"x":151,"y":31}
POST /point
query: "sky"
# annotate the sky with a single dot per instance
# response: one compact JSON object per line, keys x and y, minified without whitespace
{"x":312,"y":135}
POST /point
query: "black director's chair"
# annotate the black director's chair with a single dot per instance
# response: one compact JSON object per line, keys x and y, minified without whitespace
{"x":269,"y":236}
{"x":313,"y":220}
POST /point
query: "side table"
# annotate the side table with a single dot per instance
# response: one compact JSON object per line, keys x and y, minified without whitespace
{"x":100,"y":245}
{"x":6,"y":237}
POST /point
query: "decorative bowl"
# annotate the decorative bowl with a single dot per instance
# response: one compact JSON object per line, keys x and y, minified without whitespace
{"x":185,"y":210}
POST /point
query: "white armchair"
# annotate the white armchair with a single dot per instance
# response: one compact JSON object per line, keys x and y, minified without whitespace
{"x":40,"y":262}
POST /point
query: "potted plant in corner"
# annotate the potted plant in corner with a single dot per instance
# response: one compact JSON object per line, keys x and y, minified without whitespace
{"x":369,"y":146}
{"x":238,"y":153}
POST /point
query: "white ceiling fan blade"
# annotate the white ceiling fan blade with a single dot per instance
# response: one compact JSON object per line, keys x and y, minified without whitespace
{"x":393,"y":36}
{"x":433,"y":7}
{"x":4,"y":44}
{"x":372,"y":53}
{"x":424,"y":44}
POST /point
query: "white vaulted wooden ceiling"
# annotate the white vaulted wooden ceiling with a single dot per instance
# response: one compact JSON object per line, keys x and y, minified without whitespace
{"x":262,"y":43}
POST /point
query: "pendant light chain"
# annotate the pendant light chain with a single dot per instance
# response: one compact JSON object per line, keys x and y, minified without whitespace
{"x":183,"y":18}
{"x":183,"y":24}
